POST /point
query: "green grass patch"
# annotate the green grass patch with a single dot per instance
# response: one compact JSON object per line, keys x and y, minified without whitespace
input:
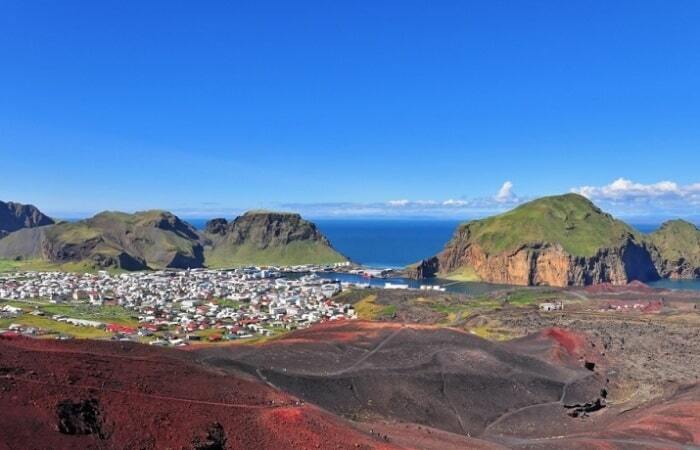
{"x":294,"y":253}
{"x":527,"y":297}
{"x":570,"y":220}
{"x":226,"y":303}
{"x":53,"y":327}
{"x":464,"y":274}
{"x":37,"y":265}
{"x":107,"y":313}
{"x":367,"y":309}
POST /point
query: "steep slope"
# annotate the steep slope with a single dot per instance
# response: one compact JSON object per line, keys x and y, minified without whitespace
{"x":116,"y":395}
{"x":559,"y":241}
{"x":15,"y":216}
{"x":149,"y":239}
{"x":263,"y":237}
{"x":437,"y":377}
{"x":677,"y":245}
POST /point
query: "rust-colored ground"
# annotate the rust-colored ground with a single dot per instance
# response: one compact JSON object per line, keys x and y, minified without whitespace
{"x":381,"y":386}
{"x":149,"y":398}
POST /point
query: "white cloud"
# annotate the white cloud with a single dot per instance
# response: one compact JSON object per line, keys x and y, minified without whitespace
{"x":453,"y":202}
{"x":505,"y":194}
{"x":624,"y":190}
{"x":622,"y":197}
{"x":402,"y":202}
{"x":629,"y":198}
{"x":452,"y":207}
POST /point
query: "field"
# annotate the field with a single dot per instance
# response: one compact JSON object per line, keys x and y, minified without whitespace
{"x":105,"y":314}
{"x":54,"y":328}
{"x":36,"y":265}
{"x":446,"y":309}
{"x":368,"y":309}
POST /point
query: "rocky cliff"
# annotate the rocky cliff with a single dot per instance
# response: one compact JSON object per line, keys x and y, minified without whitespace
{"x":263,"y":237}
{"x":15,"y":216}
{"x":557,"y":241}
{"x":676,"y":249}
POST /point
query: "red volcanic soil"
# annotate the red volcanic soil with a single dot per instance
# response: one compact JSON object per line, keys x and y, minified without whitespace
{"x":109,"y":395}
{"x":632,"y":287}
{"x":644,"y":306}
{"x":571,"y":342}
{"x":674,"y":420}
{"x":404,"y":387}
{"x":561,"y":347}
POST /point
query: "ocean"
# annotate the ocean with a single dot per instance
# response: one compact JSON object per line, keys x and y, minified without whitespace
{"x":391,"y":243}
{"x":398,"y":243}
{"x":382,"y":243}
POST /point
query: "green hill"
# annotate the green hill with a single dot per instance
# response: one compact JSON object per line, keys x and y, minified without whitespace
{"x":677,"y":244}
{"x":562,"y":240}
{"x":569,"y":220}
{"x":148,"y":239}
{"x":158,"y":239}
{"x":267,"y":238}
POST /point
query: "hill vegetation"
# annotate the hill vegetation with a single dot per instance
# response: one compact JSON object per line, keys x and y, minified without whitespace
{"x":570,"y":220}
{"x":677,"y":244}
{"x":267,"y":238}
{"x":559,"y":241}
{"x":158,"y":239}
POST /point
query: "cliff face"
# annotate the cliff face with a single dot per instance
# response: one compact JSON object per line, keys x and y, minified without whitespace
{"x":676,"y":249}
{"x":549,"y":265}
{"x":261,"y":237}
{"x":15,"y":216}
{"x":586,"y":246}
{"x":271,"y":229}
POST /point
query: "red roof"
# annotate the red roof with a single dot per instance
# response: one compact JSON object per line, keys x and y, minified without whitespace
{"x":116,"y":328}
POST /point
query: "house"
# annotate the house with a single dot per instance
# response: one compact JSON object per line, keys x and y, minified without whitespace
{"x":11,"y":309}
{"x":116,"y":328}
{"x":548,"y":306}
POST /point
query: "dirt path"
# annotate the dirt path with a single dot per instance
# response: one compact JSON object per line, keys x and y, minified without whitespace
{"x":150,"y":396}
{"x":367,"y":356}
{"x":509,"y":414}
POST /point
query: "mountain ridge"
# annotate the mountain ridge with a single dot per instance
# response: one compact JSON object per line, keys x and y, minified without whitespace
{"x":157,"y":239}
{"x":563,"y":240}
{"x":16,"y":216}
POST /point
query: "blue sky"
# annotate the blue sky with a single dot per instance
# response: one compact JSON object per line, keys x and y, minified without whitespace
{"x":349,"y":108}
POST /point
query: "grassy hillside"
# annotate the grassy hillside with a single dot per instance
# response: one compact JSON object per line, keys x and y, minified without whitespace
{"x":267,"y":238}
{"x":39,"y":265}
{"x":294,"y":253}
{"x":158,"y":239}
{"x":676,"y":240}
{"x":155,"y":239}
{"x":570,"y":220}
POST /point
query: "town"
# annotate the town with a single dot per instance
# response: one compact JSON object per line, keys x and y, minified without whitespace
{"x":168,"y":307}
